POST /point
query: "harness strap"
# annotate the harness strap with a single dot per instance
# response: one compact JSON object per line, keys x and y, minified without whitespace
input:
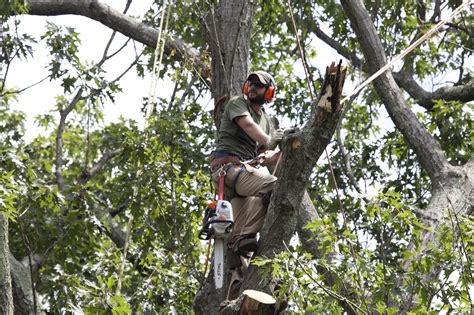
{"x":221,"y":186}
{"x":224,"y":160}
{"x":234,"y":184}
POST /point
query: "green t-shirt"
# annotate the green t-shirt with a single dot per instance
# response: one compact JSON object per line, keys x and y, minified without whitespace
{"x":231,"y":138}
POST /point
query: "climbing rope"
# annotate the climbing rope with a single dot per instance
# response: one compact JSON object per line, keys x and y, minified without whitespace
{"x":159,"y":51}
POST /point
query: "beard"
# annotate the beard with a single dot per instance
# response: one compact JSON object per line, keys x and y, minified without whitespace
{"x":258,"y":99}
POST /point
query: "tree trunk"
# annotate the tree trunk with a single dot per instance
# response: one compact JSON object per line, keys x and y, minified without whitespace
{"x":6,"y":298}
{"x":22,"y":289}
{"x":228,"y":28}
{"x":301,"y":151}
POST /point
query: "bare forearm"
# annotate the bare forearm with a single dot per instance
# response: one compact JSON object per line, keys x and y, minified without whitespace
{"x":252,"y":129}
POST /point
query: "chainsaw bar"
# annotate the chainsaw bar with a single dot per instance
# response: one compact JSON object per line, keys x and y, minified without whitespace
{"x":219,"y":262}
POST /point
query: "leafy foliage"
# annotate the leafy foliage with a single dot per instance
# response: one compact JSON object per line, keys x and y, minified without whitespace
{"x":154,"y":187}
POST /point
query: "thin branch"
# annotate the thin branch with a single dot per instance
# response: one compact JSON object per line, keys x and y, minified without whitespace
{"x":7,"y":69}
{"x":87,"y":175}
{"x":23,"y":89}
{"x":187,"y":92}
{"x":128,"y":68}
{"x":59,"y":138}
{"x":459,"y":28}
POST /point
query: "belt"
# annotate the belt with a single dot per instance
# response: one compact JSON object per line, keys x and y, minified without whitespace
{"x":224,"y":160}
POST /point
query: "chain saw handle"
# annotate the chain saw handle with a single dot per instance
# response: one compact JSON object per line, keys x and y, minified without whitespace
{"x":218,"y":221}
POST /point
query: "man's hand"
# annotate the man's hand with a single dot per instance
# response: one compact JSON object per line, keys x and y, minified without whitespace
{"x":269,"y":158}
{"x":275,"y":139}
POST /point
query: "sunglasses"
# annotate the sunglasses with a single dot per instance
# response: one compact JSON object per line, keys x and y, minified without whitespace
{"x":257,"y":84}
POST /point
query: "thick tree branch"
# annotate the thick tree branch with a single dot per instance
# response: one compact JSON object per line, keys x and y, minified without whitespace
{"x":458,"y":182}
{"x":119,"y":22}
{"x":343,"y":51}
{"x":426,"y":148}
{"x":463,"y":93}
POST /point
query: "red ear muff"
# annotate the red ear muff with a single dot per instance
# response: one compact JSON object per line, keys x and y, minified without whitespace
{"x":269,"y":93}
{"x":245,"y":88}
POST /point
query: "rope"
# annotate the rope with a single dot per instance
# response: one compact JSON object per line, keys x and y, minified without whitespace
{"x":408,"y":50}
{"x":159,"y":50}
{"x":308,"y":80}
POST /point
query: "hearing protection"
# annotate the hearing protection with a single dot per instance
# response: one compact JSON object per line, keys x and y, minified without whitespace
{"x":269,"y":93}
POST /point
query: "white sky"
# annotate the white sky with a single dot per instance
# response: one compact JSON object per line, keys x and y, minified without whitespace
{"x":94,"y":36}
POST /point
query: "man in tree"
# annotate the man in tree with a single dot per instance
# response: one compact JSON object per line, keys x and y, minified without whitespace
{"x":245,"y":131}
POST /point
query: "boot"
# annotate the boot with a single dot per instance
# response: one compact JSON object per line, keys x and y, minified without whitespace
{"x":245,"y":245}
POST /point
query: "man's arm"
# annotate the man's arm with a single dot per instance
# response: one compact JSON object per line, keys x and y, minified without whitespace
{"x":252,"y":129}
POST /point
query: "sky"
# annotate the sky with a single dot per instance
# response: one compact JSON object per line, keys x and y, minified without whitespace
{"x":94,"y":36}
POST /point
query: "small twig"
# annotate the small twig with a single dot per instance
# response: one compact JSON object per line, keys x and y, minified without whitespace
{"x":25,"y":88}
{"x":128,"y":68}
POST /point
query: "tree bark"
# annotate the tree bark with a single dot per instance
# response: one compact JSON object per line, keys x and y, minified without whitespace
{"x":6,"y":298}
{"x":22,"y":289}
{"x":228,"y":28}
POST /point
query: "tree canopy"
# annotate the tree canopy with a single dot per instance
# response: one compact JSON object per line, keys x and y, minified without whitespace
{"x":103,"y":217}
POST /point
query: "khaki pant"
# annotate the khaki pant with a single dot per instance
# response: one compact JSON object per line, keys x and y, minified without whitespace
{"x":247,"y":207}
